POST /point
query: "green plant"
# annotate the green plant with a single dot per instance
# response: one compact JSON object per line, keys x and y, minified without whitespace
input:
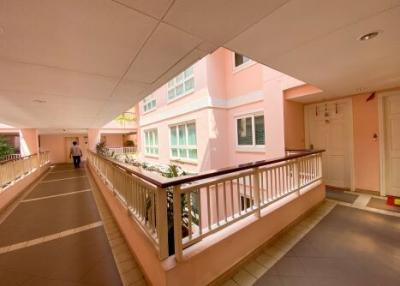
{"x":130,"y":143}
{"x":5,"y":147}
{"x":101,"y":148}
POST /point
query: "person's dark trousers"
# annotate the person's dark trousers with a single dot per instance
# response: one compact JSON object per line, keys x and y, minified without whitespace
{"x":77,"y":161}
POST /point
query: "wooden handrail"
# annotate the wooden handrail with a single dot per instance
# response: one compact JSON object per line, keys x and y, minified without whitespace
{"x":162,"y":182}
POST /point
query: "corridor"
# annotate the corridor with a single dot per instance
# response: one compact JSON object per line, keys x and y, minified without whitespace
{"x":54,"y":235}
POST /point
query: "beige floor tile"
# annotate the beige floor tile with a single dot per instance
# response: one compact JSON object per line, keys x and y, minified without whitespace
{"x":266,"y":260}
{"x":140,"y":282}
{"x":132,"y":276}
{"x":243,"y":278}
{"x":123,"y":257}
{"x":230,"y":282}
{"x":127,"y":265}
{"x":255,"y":269}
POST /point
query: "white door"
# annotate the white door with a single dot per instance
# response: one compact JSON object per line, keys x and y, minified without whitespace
{"x":392,"y":145}
{"x":329,"y":127}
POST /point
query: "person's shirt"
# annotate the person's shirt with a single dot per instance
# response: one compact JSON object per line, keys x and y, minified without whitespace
{"x":76,"y":151}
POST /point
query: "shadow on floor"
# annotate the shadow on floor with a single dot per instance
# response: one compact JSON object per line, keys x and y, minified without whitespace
{"x":348,"y":247}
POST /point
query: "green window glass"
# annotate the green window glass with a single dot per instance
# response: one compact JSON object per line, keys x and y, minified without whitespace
{"x":183,"y":141}
{"x":244,"y":131}
{"x":182,"y":135}
{"x":259,"y":129}
{"x":193,"y":153}
{"x":182,"y":84}
{"x":174,"y":139}
{"x":191,"y":128}
{"x":151,"y":142}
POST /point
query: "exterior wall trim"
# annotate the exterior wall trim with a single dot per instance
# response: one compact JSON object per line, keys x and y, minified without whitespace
{"x":204,"y":102}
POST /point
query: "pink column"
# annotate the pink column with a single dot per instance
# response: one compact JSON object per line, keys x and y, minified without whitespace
{"x":93,"y":138}
{"x":29,"y":141}
{"x":274,"y":119}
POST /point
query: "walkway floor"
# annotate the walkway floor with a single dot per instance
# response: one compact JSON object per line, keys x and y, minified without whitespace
{"x":337,"y":244}
{"x":55,"y":236}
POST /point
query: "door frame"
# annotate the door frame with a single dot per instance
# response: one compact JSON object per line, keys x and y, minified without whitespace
{"x":348,"y":101}
{"x":382,"y":138}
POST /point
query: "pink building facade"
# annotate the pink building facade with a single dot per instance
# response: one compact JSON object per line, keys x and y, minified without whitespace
{"x":222,"y":111}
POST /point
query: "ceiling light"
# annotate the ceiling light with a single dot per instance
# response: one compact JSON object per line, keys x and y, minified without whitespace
{"x":39,"y":101}
{"x":368,"y":36}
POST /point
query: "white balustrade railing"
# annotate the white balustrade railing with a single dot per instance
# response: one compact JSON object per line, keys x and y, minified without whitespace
{"x":9,"y":157}
{"x":121,"y":150}
{"x":144,"y":201}
{"x":14,"y":169}
{"x":195,"y":207}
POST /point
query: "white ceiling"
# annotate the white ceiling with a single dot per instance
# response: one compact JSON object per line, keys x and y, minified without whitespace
{"x":90,"y":60}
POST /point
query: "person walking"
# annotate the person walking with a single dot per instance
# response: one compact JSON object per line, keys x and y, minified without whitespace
{"x":76,"y":154}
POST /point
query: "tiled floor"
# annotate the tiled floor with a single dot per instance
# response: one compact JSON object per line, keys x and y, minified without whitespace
{"x":341,"y":195}
{"x":348,"y":247}
{"x":257,"y":266}
{"x":381,"y":204}
{"x":335,"y":245}
{"x":56,"y":236}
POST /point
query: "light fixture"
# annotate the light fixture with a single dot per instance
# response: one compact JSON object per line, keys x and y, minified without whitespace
{"x":369,"y":36}
{"x":39,"y":101}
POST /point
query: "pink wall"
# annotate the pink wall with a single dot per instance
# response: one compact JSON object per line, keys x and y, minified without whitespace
{"x":114,"y":140}
{"x":366,"y":149}
{"x":222,"y":93}
{"x":56,"y":144}
{"x":294,"y":125}
{"x":201,"y":119}
{"x":29,"y":141}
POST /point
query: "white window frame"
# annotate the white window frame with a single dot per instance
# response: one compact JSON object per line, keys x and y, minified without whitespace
{"x":187,"y":147}
{"x":253,"y":146}
{"x":146,"y":101}
{"x":145,"y":146}
{"x":243,"y":66}
{"x":175,"y":84}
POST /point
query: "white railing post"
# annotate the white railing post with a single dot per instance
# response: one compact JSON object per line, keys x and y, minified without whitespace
{"x":297,"y":174}
{"x":319,"y":167}
{"x":257,"y":197}
{"x":177,"y":223}
{"x":162,"y":222}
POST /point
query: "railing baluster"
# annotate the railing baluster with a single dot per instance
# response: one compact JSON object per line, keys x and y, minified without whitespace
{"x":208,"y":208}
{"x":178,"y":223}
{"x":225,"y":202}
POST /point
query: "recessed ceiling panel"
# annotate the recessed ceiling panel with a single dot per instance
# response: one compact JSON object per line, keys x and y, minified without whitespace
{"x":27,"y":78}
{"x":163,"y":50}
{"x":219,"y":20}
{"x":155,"y":8}
{"x":99,"y":37}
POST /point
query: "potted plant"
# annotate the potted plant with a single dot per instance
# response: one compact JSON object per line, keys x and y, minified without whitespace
{"x":5,"y":147}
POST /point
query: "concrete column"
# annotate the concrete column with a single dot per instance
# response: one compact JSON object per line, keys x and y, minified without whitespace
{"x":274,"y":119}
{"x":29,"y":141}
{"x":93,"y":138}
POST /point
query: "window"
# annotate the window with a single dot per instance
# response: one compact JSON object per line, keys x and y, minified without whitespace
{"x":149,"y":103}
{"x":151,"y":142}
{"x":250,"y":130}
{"x":181,"y":85}
{"x":240,"y":60}
{"x":183,"y":141}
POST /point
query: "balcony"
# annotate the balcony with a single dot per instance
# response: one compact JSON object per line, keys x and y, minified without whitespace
{"x":185,"y":216}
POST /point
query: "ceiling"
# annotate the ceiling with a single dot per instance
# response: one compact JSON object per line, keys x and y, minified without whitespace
{"x":79,"y":63}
